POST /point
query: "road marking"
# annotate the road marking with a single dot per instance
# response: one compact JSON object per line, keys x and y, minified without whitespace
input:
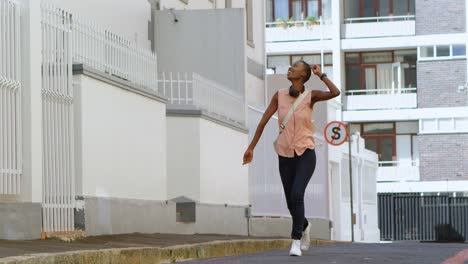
{"x":458,"y":258}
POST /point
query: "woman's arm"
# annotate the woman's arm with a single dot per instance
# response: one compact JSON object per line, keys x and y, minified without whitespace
{"x":321,"y":95}
{"x":248,"y":155}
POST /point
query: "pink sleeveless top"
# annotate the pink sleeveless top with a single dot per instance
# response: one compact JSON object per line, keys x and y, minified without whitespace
{"x":299,"y":132}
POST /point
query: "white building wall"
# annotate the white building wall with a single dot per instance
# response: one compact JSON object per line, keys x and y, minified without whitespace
{"x":223,"y":179}
{"x":129,"y":18}
{"x":205,"y":161}
{"x":183,"y":157}
{"x":123,"y":137}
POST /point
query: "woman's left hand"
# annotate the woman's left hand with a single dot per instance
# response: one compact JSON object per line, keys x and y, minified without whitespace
{"x":317,"y":70}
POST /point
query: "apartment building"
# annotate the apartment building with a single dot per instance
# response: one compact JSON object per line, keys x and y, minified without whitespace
{"x":402,"y":69}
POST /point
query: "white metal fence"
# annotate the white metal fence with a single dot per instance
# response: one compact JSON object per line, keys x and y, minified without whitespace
{"x":10,"y":98}
{"x":57,"y":109}
{"x":382,"y":91}
{"x":266,"y":189}
{"x":379,"y":19}
{"x":113,"y":54}
{"x":203,"y":93}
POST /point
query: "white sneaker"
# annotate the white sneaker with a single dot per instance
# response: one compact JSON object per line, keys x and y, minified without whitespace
{"x":295,"y":248}
{"x":305,"y":240}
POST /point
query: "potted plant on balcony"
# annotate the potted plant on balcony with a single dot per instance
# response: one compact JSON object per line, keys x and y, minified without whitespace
{"x":312,"y":20}
{"x":291,"y":22}
{"x":282,"y":22}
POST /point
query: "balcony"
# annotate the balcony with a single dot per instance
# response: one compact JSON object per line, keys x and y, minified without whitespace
{"x":403,"y":98}
{"x":394,"y":171}
{"x":368,"y":27}
{"x":298,"y":31}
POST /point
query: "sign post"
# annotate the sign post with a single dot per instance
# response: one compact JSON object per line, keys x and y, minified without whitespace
{"x":337,"y":133}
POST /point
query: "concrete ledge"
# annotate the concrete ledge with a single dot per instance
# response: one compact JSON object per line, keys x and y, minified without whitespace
{"x":192,"y":111}
{"x":106,"y":216}
{"x":20,"y":221}
{"x":118,"y":82}
{"x":102,"y":216}
{"x":161,"y":255}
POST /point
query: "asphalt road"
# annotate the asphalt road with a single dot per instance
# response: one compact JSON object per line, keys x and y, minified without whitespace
{"x":411,"y":253}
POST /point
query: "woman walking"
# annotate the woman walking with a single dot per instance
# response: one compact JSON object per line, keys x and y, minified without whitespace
{"x":295,"y":144}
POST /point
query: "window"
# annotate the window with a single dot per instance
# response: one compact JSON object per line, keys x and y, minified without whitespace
{"x":297,"y":9}
{"x":313,"y":8}
{"x":374,"y":57}
{"x":410,"y":127}
{"x":381,"y":71}
{"x":380,"y":138}
{"x":391,"y":141}
{"x":459,"y":50}
{"x":248,"y":8}
{"x":353,"y":128}
{"x":317,"y":59}
{"x":378,"y":128}
{"x":442,"y":52}
{"x":427,"y":52}
{"x":269,"y":10}
{"x":279,"y":64}
{"x":378,"y":8}
{"x":281,"y":9}
{"x":314,"y":59}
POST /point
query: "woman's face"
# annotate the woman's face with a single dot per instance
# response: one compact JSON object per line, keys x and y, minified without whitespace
{"x":296,"y":71}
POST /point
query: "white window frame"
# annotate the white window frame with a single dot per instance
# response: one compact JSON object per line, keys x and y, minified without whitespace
{"x":435,"y":58}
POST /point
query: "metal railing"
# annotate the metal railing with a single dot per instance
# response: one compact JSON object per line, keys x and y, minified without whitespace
{"x":203,"y":93}
{"x":382,"y":91}
{"x":112,"y":53}
{"x":412,"y":216}
{"x":379,"y":19}
{"x":10,"y":99}
{"x":58,"y":200}
{"x":398,"y":163}
{"x":302,"y":23}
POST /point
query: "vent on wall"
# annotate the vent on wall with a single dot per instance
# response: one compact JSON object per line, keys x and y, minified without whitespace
{"x":185,"y":210}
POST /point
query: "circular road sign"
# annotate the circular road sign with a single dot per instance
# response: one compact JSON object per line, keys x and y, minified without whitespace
{"x":336,"y":133}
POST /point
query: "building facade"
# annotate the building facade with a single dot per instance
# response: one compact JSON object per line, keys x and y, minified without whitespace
{"x":403,"y":74}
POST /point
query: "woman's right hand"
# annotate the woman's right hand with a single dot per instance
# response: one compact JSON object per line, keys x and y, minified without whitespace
{"x":248,"y":156}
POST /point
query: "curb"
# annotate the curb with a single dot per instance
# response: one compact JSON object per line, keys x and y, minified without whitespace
{"x":160,"y":255}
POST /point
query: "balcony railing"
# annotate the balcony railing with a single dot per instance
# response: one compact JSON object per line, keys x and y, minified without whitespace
{"x":298,"y":30}
{"x":207,"y":95}
{"x":379,"y":19}
{"x":382,"y":91}
{"x":402,"y":98}
{"x":403,"y":170}
{"x":366,"y":27}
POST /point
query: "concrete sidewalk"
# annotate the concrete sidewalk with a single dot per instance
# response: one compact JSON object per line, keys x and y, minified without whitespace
{"x":137,"y":248}
{"x":17,"y":248}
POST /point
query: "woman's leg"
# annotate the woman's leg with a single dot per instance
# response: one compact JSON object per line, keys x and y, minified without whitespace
{"x":305,"y":167}
{"x":287,"y":170}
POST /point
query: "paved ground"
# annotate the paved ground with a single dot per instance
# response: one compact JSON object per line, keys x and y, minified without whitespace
{"x":411,"y":253}
{"x":17,"y":248}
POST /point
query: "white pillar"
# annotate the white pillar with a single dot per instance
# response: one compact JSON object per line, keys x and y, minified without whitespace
{"x":338,"y":56}
{"x":466,"y":44}
{"x":31,"y":183}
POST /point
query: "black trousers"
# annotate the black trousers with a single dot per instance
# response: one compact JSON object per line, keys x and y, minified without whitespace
{"x":295,"y":175}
